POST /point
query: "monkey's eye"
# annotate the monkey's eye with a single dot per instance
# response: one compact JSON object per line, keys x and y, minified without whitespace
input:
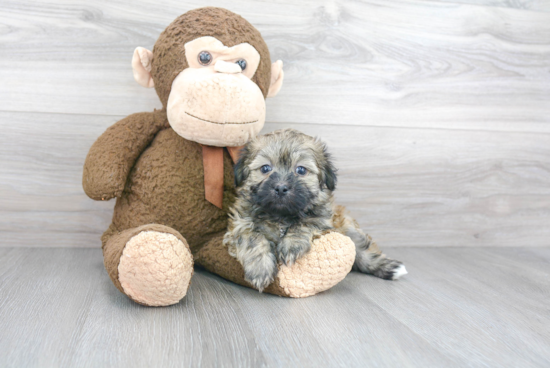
{"x":300,"y":170}
{"x":242,"y":64}
{"x":205,"y":57}
{"x":265,"y":169}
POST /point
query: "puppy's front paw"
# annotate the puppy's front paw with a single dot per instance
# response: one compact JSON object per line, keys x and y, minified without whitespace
{"x":291,"y":249}
{"x":261,"y":271}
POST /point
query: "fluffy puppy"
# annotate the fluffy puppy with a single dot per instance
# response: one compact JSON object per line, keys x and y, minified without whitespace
{"x":285,"y":181}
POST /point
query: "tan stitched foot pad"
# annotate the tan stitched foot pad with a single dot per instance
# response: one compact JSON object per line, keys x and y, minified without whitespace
{"x":325,"y":265}
{"x":155,"y":268}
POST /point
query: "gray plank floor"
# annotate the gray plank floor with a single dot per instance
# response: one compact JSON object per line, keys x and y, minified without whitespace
{"x":457,"y":307}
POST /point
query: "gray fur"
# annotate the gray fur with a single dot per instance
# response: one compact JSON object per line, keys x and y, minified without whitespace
{"x":265,"y":227}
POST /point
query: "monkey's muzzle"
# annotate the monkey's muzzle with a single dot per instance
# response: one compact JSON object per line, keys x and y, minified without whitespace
{"x":216,"y":109}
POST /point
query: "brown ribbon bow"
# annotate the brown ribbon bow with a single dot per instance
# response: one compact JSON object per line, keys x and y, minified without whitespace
{"x":212,"y":161}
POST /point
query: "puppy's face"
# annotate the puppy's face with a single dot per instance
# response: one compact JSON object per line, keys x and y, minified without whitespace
{"x":286,"y":172}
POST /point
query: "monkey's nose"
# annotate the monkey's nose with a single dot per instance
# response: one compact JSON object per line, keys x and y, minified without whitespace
{"x":281,"y":189}
{"x":227,"y":67}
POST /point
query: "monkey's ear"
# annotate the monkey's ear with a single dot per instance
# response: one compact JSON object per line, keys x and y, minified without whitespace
{"x":141,"y":65}
{"x":277,"y":76}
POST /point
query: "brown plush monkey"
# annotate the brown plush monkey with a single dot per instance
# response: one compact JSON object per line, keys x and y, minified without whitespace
{"x":171,"y":175}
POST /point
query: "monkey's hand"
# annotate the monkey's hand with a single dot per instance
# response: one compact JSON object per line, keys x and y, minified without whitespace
{"x":114,"y":153}
{"x":259,"y":262}
{"x":295,"y":243}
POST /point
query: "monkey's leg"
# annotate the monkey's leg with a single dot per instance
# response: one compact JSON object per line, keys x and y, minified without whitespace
{"x":151,"y":264}
{"x":325,"y":265}
{"x":368,"y":258}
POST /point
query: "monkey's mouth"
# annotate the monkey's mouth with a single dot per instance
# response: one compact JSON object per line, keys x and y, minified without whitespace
{"x":215,"y":122}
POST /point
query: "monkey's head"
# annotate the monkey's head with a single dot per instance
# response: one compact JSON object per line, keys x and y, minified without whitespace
{"x":212,"y":72}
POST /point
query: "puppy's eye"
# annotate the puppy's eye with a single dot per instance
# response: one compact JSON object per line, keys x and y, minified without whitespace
{"x":265,"y":169}
{"x":300,"y":170}
{"x":205,"y":57}
{"x":242,"y":64}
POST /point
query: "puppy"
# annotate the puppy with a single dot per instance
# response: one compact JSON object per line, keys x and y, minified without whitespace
{"x":285,"y":181}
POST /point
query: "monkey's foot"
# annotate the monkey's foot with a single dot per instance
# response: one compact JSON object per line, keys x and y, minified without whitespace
{"x":154,"y":267}
{"x":326,"y":264}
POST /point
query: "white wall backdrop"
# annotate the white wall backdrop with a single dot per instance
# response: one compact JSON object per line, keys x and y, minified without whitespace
{"x":437,"y":112}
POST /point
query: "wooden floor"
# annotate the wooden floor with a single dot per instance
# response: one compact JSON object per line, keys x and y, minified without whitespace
{"x":457,"y":307}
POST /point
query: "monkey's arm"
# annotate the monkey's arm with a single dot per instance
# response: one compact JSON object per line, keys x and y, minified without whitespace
{"x":114,"y":153}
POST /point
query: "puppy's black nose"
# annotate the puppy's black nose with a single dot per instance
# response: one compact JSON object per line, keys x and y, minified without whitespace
{"x":281,"y":189}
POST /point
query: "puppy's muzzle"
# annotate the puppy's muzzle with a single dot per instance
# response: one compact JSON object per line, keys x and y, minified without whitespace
{"x":281,"y":189}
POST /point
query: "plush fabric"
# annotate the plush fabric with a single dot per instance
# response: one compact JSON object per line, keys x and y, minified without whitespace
{"x":114,"y":243}
{"x":113,"y":155}
{"x":216,"y":109}
{"x":141,"y":66}
{"x":154,"y":268}
{"x":229,"y":28}
{"x":277,"y":77}
{"x":161,"y":217}
{"x":223,"y":53}
{"x":328,"y":262}
{"x":165,"y":185}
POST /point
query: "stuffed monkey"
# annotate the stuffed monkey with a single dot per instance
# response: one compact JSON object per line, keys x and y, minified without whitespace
{"x":171,"y":170}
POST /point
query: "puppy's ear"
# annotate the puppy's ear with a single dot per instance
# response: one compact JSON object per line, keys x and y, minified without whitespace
{"x":328,"y":171}
{"x":241,"y":167}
